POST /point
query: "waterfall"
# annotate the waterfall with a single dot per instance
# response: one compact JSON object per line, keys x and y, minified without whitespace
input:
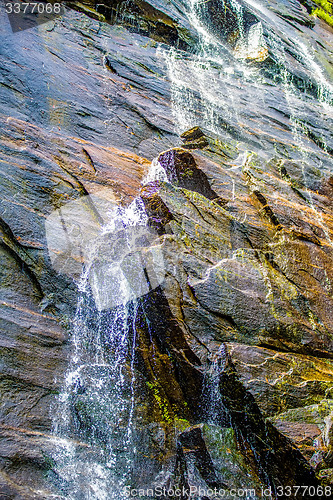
{"x":96,"y":404}
{"x":93,"y":419}
{"x":226,"y":87}
{"x":214,"y":410}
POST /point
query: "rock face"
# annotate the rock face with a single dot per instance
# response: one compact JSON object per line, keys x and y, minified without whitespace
{"x":243,"y":285}
{"x":233,"y":355}
{"x":181,"y":170}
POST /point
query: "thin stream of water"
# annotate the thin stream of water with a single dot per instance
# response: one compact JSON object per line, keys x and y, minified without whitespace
{"x":93,"y":417}
{"x":224,"y":89}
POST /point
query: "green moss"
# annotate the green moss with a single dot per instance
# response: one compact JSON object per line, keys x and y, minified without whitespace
{"x":325,"y":5}
{"x":313,"y":320}
{"x":89,"y":11}
{"x":324,"y":11}
{"x":162,"y":403}
{"x":181,"y":423}
{"x":229,"y":462}
{"x":54,"y":391}
{"x":168,"y":411}
{"x":49,"y":462}
{"x":324,"y":16}
{"x":313,"y":414}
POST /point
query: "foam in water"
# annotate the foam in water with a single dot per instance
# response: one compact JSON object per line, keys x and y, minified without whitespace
{"x":155,"y":173}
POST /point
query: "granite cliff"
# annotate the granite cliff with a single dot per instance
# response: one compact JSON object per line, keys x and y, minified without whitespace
{"x":232,"y":354}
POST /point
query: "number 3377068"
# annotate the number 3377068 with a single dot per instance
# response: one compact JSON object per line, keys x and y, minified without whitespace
{"x":32,"y":8}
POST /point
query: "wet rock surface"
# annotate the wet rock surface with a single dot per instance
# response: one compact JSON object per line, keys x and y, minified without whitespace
{"x":181,"y":170}
{"x":276,"y":357}
{"x":243,"y":322}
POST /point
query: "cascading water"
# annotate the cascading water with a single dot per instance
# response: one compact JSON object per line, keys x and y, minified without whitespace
{"x":214,"y":410}
{"x":255,"y":84}
{"x":205,"y":85}
{"x":94,"y":398}
{"x":93,"y":419}
{"x":246,"y":81}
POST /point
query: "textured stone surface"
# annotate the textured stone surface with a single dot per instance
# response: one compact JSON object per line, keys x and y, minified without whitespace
{"x":244,"y":319}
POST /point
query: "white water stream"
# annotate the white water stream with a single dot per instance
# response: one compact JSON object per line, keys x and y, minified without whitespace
{"x":93,"y":419}
{"x":223,"y":86}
